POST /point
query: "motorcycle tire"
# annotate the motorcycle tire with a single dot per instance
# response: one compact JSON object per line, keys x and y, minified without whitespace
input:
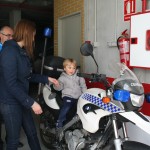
{"x":47,"y":138}
{"x":129,"y":145}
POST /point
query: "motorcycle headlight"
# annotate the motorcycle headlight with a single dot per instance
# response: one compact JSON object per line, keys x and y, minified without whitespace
{"x":137,"y":100}
{"x":121,"y":95}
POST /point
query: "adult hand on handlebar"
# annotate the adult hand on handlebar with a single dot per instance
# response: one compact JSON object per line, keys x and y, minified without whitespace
{"x":36,"y":108}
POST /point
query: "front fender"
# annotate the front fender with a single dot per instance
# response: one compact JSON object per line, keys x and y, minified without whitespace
{"x":138,"y":119}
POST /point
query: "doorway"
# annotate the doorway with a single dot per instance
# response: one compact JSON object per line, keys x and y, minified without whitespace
{"x":69,"y":37}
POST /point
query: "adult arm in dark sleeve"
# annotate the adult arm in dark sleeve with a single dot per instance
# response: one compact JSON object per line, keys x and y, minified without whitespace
{"x":9,"y":66}
{"x":39,"y":78}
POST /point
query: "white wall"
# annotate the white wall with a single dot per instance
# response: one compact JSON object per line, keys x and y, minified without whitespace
{"x":109,"y":26}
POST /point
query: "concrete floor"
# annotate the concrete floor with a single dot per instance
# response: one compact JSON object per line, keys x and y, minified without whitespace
{"x":23,"y":139}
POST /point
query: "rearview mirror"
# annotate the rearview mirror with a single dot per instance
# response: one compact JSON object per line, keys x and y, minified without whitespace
{"x":86,"y":49}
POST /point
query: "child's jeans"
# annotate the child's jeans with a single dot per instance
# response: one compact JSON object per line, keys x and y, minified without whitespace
{"x":67,"y":105}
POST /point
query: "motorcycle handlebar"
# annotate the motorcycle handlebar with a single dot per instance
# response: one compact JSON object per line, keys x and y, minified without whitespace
{"x":93,"y":77}
{"x":96,"y":78}
{"x":84,"y":75}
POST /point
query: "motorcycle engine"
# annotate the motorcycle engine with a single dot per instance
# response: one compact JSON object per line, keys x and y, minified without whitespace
{"x":75,"y":139}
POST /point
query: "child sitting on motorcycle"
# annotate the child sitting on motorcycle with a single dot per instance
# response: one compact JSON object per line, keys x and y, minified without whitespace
{"x":71,"y":86}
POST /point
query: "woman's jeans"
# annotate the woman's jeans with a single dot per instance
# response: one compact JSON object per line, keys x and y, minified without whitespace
{"x":68,"y":103}
{"x":15,"y":117}
{"x":1,"y":141}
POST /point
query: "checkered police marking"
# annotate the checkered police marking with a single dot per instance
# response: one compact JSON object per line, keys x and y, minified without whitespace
{"x":98,"y":101}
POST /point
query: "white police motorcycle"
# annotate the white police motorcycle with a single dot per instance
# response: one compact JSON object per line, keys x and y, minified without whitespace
{"x":101,"y":113}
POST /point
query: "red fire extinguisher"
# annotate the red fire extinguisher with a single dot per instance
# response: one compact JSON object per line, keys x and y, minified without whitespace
{"x":123,"y":46}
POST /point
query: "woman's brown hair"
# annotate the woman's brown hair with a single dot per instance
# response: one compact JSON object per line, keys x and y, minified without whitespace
{"x":25,"y":31}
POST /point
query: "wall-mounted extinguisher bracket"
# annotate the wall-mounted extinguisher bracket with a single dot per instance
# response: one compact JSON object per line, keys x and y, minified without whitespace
{"x":123,"y":47}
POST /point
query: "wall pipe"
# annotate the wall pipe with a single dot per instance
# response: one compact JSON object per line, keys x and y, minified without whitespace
{"x":95,"y":15}
{"x":116,"y":20}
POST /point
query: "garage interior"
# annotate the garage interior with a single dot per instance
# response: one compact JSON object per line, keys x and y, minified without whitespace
{"x":93,"y":24}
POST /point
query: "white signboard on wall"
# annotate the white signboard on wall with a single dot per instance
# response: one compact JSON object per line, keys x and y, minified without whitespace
{"x":140,"y":41}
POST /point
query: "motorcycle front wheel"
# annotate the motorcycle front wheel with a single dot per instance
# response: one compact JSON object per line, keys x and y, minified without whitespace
{"x":129,"y":145}
{"x":47,"y":137}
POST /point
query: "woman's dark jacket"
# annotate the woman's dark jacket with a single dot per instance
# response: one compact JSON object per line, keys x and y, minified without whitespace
{"x":15,"y":75}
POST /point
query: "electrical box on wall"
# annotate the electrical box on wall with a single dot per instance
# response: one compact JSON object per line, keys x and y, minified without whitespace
{"x":140,"y":40}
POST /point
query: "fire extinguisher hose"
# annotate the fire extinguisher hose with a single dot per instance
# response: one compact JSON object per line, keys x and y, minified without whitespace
{"x":118,"y":41}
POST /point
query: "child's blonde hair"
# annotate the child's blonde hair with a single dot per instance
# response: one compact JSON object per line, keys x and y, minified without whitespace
{"x":69,"y":61}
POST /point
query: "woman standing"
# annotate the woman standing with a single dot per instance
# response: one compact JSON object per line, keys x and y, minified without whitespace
{"x":15,"y":75}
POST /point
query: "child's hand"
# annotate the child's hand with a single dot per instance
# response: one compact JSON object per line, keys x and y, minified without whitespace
{"x":54,"y":81}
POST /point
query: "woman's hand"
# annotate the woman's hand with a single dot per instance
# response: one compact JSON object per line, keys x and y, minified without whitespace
{"x":36,"y":108}
{"x":54,"y":81}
